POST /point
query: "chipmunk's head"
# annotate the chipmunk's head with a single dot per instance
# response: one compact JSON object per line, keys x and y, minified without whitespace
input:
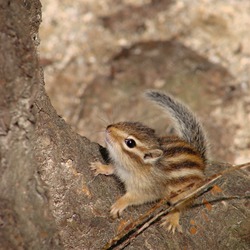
{"x":131,"y":144}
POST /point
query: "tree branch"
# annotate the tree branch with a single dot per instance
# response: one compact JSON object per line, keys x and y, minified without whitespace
{"x":135,"y":228}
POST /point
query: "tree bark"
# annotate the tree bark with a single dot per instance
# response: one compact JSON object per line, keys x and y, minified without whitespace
{"x":49,"y":199}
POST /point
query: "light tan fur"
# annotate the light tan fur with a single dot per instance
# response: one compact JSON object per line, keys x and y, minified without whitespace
{"x":153,"y":167}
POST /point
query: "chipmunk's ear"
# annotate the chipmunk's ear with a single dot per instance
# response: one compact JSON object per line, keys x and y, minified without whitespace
{"x":152,"y":155}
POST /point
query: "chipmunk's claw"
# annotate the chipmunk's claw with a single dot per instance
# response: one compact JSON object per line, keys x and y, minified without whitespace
{"x":118,"y":207}
{"x":172,"y":228}
{"x":100,"y":168}
{"x":115,"y":211}
{"x":171,"y":222}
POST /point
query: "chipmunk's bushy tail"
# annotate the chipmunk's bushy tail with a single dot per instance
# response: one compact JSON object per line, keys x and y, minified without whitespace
{"x":187,"y":125}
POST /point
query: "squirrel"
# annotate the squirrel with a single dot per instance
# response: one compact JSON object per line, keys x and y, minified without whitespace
{"x":153,"y":167}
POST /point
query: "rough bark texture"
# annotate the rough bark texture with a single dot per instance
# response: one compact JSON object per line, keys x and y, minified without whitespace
{"x":49,"y":198}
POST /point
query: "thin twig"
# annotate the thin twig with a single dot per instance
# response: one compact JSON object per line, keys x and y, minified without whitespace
{"x":135,"y":228}
{"x":224,"y":198}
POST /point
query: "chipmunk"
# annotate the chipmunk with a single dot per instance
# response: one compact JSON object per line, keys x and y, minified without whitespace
{"x":153,"y":167}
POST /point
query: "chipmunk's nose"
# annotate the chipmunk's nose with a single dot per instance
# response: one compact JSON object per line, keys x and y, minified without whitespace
{"x":109,"y":126}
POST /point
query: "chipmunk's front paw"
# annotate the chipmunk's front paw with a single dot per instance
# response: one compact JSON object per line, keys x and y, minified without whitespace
{"x":116,"y":210}
{"x":171,"y":222}
{"x":118,"y":207}
{"x":100,"y":168}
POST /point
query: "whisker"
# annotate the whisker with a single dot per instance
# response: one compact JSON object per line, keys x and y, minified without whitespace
{"x":111,"y":116}
{"x":115,"y":113}
{"x":104,"y":121}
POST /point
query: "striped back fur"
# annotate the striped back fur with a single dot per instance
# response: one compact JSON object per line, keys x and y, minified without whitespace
{"x":187,"y":125}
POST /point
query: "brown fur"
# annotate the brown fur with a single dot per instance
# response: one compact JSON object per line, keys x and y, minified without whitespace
{"x":155,"y":167}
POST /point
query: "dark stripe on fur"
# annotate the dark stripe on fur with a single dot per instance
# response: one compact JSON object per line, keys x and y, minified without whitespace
{"x":183,"y":165}
{"x":173,"y":151}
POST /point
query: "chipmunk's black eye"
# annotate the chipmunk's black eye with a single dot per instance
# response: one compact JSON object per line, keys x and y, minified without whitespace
{"x":130,"y":143}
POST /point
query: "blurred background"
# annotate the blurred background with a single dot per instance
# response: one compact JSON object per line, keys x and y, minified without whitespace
{"x":99,"y":56}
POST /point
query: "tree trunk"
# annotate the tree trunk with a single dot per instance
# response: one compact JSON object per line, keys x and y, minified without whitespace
{"x":49,"y":198}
